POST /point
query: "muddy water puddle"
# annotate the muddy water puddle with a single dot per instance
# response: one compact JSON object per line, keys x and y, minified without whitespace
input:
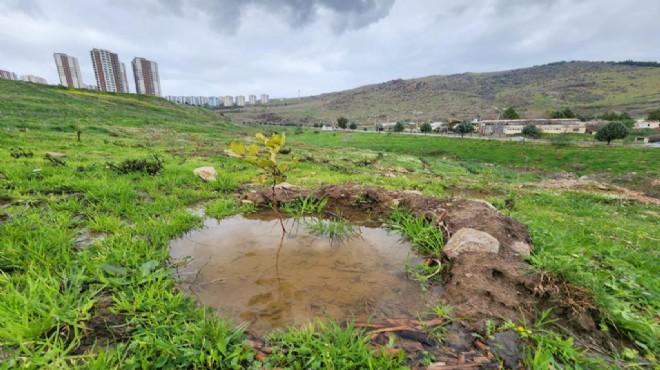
{"x":254,"y":276}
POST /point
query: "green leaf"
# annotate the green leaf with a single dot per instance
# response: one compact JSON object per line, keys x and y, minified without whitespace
{"x":148,"y":267}
{"x":253,"y":150}
{"x":115,"y":270}
{"x":237,"y":148}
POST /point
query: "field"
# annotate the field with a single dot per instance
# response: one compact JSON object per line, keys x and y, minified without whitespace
{"x":85,"y":275}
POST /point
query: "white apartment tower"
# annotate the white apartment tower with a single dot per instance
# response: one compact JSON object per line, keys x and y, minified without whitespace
{"x":240,"y":101}
{"x":68,"y":70}
{"x":264,"y":98}
{"x":228,"y":101}
{"x":253,"y":99}
{"x":110,"y":73}
{"x":147,"y":80}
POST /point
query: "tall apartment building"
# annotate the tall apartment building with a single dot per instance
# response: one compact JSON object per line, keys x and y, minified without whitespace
{"x":264,"y":99}
{"x":252,"y":99}
{"x":109,"y":71}
{"x":35,"y":79}
{"x":68,"y":70}
{"x":228,"y":101}
{"x":240,"y":101}
{"x":147,"y":80}
{"x":8,"y":75}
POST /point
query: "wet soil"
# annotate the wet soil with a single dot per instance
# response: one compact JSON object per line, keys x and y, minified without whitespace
{"x":257,"y":276}
{"x":479,"y":286}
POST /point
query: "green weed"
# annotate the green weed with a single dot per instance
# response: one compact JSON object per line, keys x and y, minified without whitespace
{"x":426,"y":238}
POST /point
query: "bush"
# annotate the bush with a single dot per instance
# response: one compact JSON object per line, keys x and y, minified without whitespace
{"x":352,"y":126}
{"x":426,"y":127}
{"x":531,"y":131}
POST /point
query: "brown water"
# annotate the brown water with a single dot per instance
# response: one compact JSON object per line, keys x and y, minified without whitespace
{"x":235,"y":266}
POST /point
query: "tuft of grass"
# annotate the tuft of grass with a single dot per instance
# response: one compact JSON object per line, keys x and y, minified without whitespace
{"x":304,"y":206}
{"x":328,"y":346}
{"x":427,"y":239}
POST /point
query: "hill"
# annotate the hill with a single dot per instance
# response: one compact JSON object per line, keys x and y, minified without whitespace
{"x":585,"y":87}
{"x":55,"y":108}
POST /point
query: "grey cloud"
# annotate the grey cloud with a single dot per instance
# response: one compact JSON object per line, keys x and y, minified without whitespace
{"x":225,"y":15}
{"x":29,"y":7}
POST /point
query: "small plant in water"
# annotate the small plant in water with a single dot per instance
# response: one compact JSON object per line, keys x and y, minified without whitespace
{"x":265,"y":157}
{"x":339,"y":229}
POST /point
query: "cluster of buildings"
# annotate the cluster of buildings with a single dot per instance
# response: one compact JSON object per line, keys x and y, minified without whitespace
{"x":7,"y":75}
{"x":220,"y":101}
{"x":515,"y":126}
{"x":110,"y":73}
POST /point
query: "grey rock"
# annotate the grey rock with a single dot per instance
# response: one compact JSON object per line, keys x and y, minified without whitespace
{"x":467,"y":240}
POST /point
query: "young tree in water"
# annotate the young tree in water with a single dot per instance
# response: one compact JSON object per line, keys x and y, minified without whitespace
{"x":265,"y":157}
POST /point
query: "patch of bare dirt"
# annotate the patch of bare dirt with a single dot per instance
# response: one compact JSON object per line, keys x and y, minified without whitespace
{"x":588,"y":185}
{"x":104,"y":328}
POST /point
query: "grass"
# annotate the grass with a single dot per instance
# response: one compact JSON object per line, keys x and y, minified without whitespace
{"x":426,"y":238}
{"x":338,"y":230}
{"x":328,"y":346}
{"x":81,"y":244}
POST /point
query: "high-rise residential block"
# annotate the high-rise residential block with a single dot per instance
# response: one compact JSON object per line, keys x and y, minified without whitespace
{"x":253,"y":99}
{"x":147,"y":80}
{"x":228,"y":101}
{"x":68,"y":70}
{"x":240,"y":101}
{"x":109,"y":71}
{"x":264,"y":99}
{"x":8,"y":75}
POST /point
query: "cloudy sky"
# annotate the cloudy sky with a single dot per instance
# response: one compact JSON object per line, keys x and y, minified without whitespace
{"x":307,"y":47}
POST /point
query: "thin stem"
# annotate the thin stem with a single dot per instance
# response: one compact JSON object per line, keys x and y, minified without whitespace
{"x":277,"y":210}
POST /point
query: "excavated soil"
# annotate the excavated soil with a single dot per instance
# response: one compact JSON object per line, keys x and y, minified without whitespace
{"x":480,"y":286}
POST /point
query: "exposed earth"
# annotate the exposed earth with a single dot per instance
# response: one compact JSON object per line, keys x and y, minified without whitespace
{"x":479,"y":285}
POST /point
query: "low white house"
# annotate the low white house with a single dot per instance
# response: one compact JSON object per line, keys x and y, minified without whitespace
{"x":647,"y":124}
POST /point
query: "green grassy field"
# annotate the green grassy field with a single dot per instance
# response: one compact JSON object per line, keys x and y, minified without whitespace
{"x":85,"y":275}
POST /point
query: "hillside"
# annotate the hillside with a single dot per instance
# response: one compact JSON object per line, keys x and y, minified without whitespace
{"x":586,"y":87}
{"x":55,"y":108}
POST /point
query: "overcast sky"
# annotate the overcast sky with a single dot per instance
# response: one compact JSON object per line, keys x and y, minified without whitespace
{"x":287,"y":47}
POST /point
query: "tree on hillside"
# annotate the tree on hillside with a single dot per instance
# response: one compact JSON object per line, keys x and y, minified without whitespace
{"x":510,"y":113}
{"x":564,"y":113}
{"x":531,"y":131}
{"x":425,"y":127}
{"x":399,"y":127}
{"x":342,"y":122}
{"x":612,"y":131}
{"x":353,"y":126}
{"x":464,"y":128}
{"x":654,"y":115}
